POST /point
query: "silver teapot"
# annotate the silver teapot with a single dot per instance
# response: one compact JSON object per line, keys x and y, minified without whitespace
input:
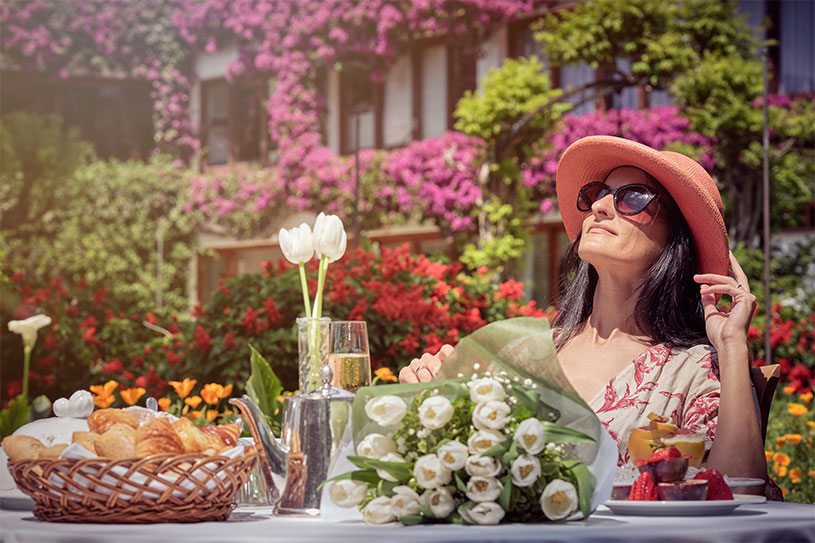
{"x":316,"y":427}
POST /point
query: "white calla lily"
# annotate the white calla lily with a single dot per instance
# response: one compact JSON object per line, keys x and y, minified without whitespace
{"x":486,"y":389}
{"x":430,"y":472}
{"x":558,"y":500}
{"x":404,"y":501}
{"x":491,"y":415}
{"x":347,"y":493}
{"x":386,"y":410}
{"x":440,"y":501}
{"x":435,"y":412}
{"x":28,"y":328}
{"x":296,"y":244}
{"x":379,"y":511}
{"x":484,"y":489}
{"x":329,"y":237}
{"x":530,"y":436}
{"x":453,"y":455}
{"x":525,"y":470}
{"x":485,"y":513}
{"x":375,"y":446}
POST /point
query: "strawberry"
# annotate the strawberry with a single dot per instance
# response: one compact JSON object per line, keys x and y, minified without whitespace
{"x":644,"y":489}
{"x":664,"y":453}
{"x":717,"y":488}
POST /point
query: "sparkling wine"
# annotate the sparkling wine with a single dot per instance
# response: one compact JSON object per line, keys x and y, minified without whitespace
{"x":351,"y":371}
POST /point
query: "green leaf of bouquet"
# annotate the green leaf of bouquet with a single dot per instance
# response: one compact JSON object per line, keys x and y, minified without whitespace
{"x":425,"y":510}
{"x":511,"y":454}
{"x":14,"y":416}
{"x":499,"y":449}
{"x":555,"y":433}
{"x":366,"y":476}
{"x":455,"y":518}
{"x":585,"y":484}
{"x":385,"y":488}
{"x":459,"y":483}
{"x":402,"y":471}
{"x":411,"y":520}
{"x":264,"y":388}
{"x":527,"y":398}
{"x":506,"y":493}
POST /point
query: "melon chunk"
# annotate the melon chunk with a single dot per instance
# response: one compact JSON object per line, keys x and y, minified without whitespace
{"x":644,"y":440}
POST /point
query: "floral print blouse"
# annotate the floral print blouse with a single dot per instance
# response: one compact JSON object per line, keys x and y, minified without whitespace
{"x":679,"y":383}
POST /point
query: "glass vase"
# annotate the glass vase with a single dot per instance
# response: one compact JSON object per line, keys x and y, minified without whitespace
{"x":313,"y":347}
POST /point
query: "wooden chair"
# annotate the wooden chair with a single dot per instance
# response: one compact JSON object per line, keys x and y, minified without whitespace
{"x":765,"y":379}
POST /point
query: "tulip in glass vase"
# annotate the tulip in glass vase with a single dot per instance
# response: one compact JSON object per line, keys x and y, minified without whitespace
{"x":300,"y":244}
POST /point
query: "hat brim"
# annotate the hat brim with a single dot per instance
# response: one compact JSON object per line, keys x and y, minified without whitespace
{"x":593,"y":158}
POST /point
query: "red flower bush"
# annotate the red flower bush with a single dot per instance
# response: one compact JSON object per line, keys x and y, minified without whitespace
{"x":792,"y":339}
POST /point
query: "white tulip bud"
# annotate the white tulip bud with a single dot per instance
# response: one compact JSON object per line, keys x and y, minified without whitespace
{"x":28,"y":328}
{"x":525,"y":470}
{"x":486,"y":389}
{"x":435,"y":412}
{"x":405,"y":501}
{"x":484,"y":489}
{"x":482,"y":466}
{"x":378,"y":511}
{"x":485,"y":513}
{"x":558,"y":500}
{"x":329,"y":237}
{"x":453,"y":455}
{"x":491,"y":415}
{"x":375,"y":446}
{"x":296,"y":244}
{"x":439,"y":501}
{"x":430,"y":472}
{"x":529,"y":436}
{"x":386,"y":410}
{"x":347,"y":493}
{"x":482,"y":440}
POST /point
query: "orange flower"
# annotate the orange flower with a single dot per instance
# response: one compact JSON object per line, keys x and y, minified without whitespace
{"x":212,"y":414}
{"x":797,"y":409}
{"x":226,"y":392}
{"x":103,"y":401}
{"x":386,"y":374}
{"x":194,"y":414}
{"x":784,"y":491}
{"x":812,"y":473}
{"x":193,"y":401}
{"x":211,"y":393}
{"x":228,"y":412}
{"x":782,"y":459}
{"x":183,"y":388}
{"x":781,"y":441}
{"x":789,"y":390}
{"x":811,"y":424}
{"x":164,"y":403}
{"x":132,"y":395}
{"x":795,"y":475}
{"x":780,"y":470}
{"x":768,"y":455}
{"x":806,"y":398}
{"x":106,"y":389}
{"x":795,"y":439}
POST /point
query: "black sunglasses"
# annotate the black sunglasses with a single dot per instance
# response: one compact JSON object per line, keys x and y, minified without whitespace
{"x":628,"y":199}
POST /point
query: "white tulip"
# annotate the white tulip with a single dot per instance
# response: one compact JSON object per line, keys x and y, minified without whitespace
{"x":435,"y":412}
{"x":386,"y":410}
{"x":486,"y":389}
{"x":492,"y":415}
{"x":329,"y":237}
{"x":430,"y":472}
{"x":482,"y":466}
{"x":484,"y":489}
{"x":525,"y":470}
{"x":439,"y":501}
{"x":378,"y":511}
{"x":559,"y":499}
{"x":483,"y":440}
{"x":296,"y":244}
{"x":375,"y":446}
{"x":405,"y":501}
{"x":347,"y":493}
{"x":28,"y":328}
{"x":485,"y":513}
{"x":529,"y":436}
{"x":390,"y":457}
{"x":453,"y":455}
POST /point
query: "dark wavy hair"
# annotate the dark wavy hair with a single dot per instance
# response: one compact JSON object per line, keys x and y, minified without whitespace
{"x":669,"y":307}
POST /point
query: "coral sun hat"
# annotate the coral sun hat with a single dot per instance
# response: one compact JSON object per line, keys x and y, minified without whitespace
{"x":593,"y":158}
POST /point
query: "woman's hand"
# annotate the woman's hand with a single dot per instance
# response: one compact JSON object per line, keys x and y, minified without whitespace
{"x":731,"y":327}
{"x":423,"y":369}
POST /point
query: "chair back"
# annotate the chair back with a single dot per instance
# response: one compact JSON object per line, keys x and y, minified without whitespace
{"x":765,"y":379}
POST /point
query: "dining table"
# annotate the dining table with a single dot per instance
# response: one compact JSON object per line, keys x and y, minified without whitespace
{"x":764,"y":522}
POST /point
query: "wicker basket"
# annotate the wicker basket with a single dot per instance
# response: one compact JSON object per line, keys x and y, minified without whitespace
{"x":159,"y":488}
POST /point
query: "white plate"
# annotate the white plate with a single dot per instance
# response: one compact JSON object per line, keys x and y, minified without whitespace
{"x":17,"y":500}
{"x":681,"y":508}
{"x":735,"y":482}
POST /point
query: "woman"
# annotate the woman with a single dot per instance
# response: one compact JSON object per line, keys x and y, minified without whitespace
{"x":638,"y":328}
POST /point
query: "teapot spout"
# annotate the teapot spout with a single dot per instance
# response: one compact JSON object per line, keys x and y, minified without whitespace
{"x":271,"y":456}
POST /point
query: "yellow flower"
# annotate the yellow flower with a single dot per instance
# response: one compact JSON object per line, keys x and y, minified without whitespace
{"x":106,"y":389}
{"x":386,"y":374}
{"x":193,"y":401}
{"x":212,"y":414}
{"x":103,"y":401}
{"x":226,"y":391}
{"x":778,"y":458}
{"x":132,"y":395}
{"x":806,"y":398}
{"x":795,"y":475}
{"x":194,"y":414}
{"x":797,"y":409}
{"x":768,"y":455}
{"x":811,"y":424}
{"x":164,"y":403}
{"x":781,"y":441}
{"x":183,"y":388}
{"x":789,"y":390}
{"x":780,"y":470}
{"x":211,"y":393}
{"x":795,"y":439}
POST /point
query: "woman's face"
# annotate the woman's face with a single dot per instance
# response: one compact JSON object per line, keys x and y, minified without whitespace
{"x":614,"y":242}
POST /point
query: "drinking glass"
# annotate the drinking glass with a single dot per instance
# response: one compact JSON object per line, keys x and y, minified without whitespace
{"x":349,"y":355}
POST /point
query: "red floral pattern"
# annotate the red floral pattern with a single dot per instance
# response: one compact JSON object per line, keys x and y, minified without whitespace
{"x":683,"y":384}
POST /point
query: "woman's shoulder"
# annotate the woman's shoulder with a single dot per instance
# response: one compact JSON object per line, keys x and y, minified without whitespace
{"x":695,"y":352}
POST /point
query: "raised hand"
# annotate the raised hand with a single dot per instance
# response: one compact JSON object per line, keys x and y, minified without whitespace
{"x":731,"y":326}
{"x":425,"y":368}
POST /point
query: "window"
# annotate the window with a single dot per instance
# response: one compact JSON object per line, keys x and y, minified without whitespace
{"x":359,"y":100}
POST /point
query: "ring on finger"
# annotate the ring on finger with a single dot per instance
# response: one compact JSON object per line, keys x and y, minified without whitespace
{"x":420,"y":368}
{"x":739,"y":286}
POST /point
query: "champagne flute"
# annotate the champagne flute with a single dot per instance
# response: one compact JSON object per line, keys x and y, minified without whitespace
{"x":349,"y":355}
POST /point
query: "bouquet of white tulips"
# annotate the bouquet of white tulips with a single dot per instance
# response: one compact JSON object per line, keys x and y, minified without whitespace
{"x":498,"y":446}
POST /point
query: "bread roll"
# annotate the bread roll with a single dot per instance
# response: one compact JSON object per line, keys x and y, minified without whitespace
{"x":52,"y":452}
{"x":157,"y":437}
{"x":19,"y":447}
{"x":102,"y":420}
{"x":192,"y":437}
{"x":117,"y":443}
{"x":86,"y":439}
{"x":224,"y":436}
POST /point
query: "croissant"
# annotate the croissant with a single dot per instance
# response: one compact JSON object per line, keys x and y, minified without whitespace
{"x":117,"y":443}
{"x":21,"y":447}
{"x":102,"y":420}
{"x":157,"y":437}
{"x":86,"y":439}
{"x":223,"y":436}
{"x":192,"y":437}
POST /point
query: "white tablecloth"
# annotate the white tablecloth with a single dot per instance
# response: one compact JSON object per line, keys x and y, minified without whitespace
{"x":776,"y":522}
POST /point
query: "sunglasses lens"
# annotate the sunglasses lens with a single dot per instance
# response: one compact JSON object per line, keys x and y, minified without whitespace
{"x":590,"y":194}
{"x":632,"y":200}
